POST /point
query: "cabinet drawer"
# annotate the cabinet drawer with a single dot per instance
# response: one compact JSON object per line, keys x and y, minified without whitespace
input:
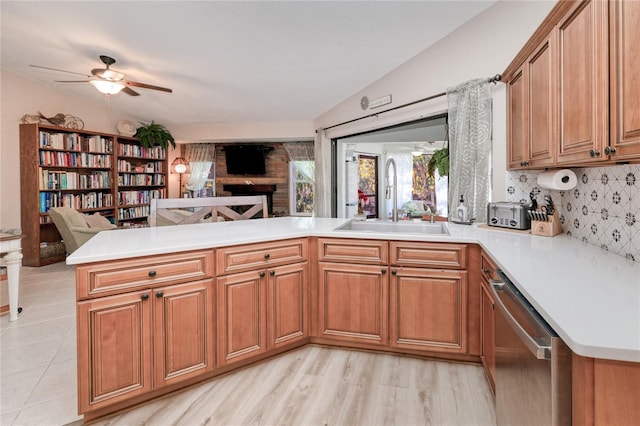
{"x":100,"y":279}
{"x":353,"y":251}
{"x":256,"y":256}
{"x":428,"y":255}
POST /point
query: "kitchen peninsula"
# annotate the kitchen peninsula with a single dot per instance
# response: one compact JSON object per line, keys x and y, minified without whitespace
{"x":181,"y":298}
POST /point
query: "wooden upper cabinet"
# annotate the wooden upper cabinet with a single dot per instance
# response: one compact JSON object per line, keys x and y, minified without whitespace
{"x":542,"y":100}
{"x":533,"y":108}
{"x":625,"y":79}
{"x":517,"y":121}
{"x":583,"y":59}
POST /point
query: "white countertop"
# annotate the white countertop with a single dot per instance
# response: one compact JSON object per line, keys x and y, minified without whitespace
{"x":590,"y":297}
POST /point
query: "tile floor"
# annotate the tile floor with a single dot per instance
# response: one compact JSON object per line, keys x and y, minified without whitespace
{"x":38,"y":351}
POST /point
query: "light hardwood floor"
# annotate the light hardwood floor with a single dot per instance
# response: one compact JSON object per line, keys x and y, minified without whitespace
{"x":324,"y":386}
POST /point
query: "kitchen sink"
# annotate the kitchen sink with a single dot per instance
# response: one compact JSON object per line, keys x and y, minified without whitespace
{"x":438,"y":228}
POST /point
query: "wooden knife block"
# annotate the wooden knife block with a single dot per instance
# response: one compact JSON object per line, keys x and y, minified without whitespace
{"x":547,"y":229}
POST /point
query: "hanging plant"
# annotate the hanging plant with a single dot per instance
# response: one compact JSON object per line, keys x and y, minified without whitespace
{"x":154,"y":134}
{"x":439,"y":160}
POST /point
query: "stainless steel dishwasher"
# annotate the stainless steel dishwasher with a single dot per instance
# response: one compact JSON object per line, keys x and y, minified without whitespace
{"x":533,"y":365}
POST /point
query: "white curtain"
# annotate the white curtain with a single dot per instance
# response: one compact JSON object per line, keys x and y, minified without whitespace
{"x":470,"y":147}
{"x":200,"y":157}
{"x":322,"y":187}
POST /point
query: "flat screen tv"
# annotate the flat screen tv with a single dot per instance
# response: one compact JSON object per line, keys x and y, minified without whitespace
{"x":246,"y":159}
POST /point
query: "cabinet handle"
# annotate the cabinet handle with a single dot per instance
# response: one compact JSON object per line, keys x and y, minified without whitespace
{"x":394,"y":272}
{"x":144,"y":296}
{"x":159,"y":295}
{"x":486,"y":271}
{"x":267,"y":255}
{"x":152,"y":274}
{"x":610,"y":150}
{"x":594,"y":153}
{"x":272,"y":273}
{"x":262,"y":274}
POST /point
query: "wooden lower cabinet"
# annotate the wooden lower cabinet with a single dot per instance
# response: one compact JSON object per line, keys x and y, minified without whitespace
{"x":428,"y":310}
{"x":184,"y":332}
{"x":353,"y":302}
{"x":261,"y":310}
{"x":605,"y":392}
{"x":120,"y":336}
{"x":241,"y":313}
{"x":288,"y":304}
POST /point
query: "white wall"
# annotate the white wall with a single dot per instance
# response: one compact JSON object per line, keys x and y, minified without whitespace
{"x":481,"y":48}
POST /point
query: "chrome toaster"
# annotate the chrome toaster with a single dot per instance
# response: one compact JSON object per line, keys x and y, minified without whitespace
{"x":505,"y":214}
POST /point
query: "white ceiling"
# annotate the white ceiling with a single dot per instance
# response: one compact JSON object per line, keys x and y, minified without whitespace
{"x":227,"y":62}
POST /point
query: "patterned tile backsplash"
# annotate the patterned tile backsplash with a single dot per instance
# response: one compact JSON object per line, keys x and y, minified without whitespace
{"x":603,"y":209}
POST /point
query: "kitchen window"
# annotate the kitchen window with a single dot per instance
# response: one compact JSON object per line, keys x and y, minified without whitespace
{"x":301,"y":188}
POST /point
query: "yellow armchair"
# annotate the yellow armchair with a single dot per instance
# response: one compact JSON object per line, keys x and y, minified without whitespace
{"x":73,"y":227}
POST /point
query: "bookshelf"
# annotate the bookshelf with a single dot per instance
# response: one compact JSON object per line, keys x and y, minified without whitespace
{"x":88,"y":171}
{"x":141,"y":175}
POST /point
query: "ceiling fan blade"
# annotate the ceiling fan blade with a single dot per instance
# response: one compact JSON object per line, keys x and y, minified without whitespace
{"x":147,"y":86}
{"x":71,"y":81}
{"x":56,"y":69}
{"x":130,"y":91}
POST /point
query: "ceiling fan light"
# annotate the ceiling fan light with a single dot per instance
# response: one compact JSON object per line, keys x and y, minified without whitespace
{"x":108,"y":87}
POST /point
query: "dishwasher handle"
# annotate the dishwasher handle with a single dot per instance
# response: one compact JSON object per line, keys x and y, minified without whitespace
{"x":540,"y":351}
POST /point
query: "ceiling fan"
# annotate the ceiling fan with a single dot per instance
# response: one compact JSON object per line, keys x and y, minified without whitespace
{"x":108,"y":81}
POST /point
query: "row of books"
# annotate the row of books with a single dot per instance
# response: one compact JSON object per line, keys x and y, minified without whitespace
{"x":156,"y":152}
{"x":73,"y":159}
{"x":128,"y":179}
{"x":75,"y":142}
{"x":133,"y":212}
{"x":50,"y":179}
{"x":139,"y":197}
{"x":90,"y":200}
{"x":126,"y":167}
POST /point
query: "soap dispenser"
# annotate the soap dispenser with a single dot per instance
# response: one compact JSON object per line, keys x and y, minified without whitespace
{"x":461,"y":211}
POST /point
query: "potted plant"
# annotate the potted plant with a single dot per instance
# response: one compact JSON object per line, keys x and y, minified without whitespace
{"x":154,"y":134}
{"x":439,"y":160}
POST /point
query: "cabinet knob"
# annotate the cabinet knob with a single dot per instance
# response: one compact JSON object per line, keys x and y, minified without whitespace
{"x":383,"y":270}
{"x":144,"y":296}
{"x":486,"y":271}
{"x":262,"y":274}
{"x":594,"y":153}
{"x":267,"y":255}
{"x":159,"y":295}
{"x":610,"y":150}
{"x":394,"y":272}
{"x":272,"y":273}
{"x":152,"y":274}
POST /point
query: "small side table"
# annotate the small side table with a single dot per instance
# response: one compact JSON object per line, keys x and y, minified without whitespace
{"x":12,"y":246}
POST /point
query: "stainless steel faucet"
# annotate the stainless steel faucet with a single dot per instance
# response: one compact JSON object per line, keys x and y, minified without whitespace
{"x":394,"y":187}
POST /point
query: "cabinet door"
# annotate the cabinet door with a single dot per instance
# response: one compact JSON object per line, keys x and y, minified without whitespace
{"x":517,"y":121}
{"x":583,"y":82}
{"x":542,"y":104}
{"x":287,"y":304}
{"x":353,"y":301}
{"x":625,"y":83}
{"x":114,"y":349}
{"x":241,"y":316}
{"x":428,"y":310}
{"x":488,"y":333}
{"x":183,"y":331}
